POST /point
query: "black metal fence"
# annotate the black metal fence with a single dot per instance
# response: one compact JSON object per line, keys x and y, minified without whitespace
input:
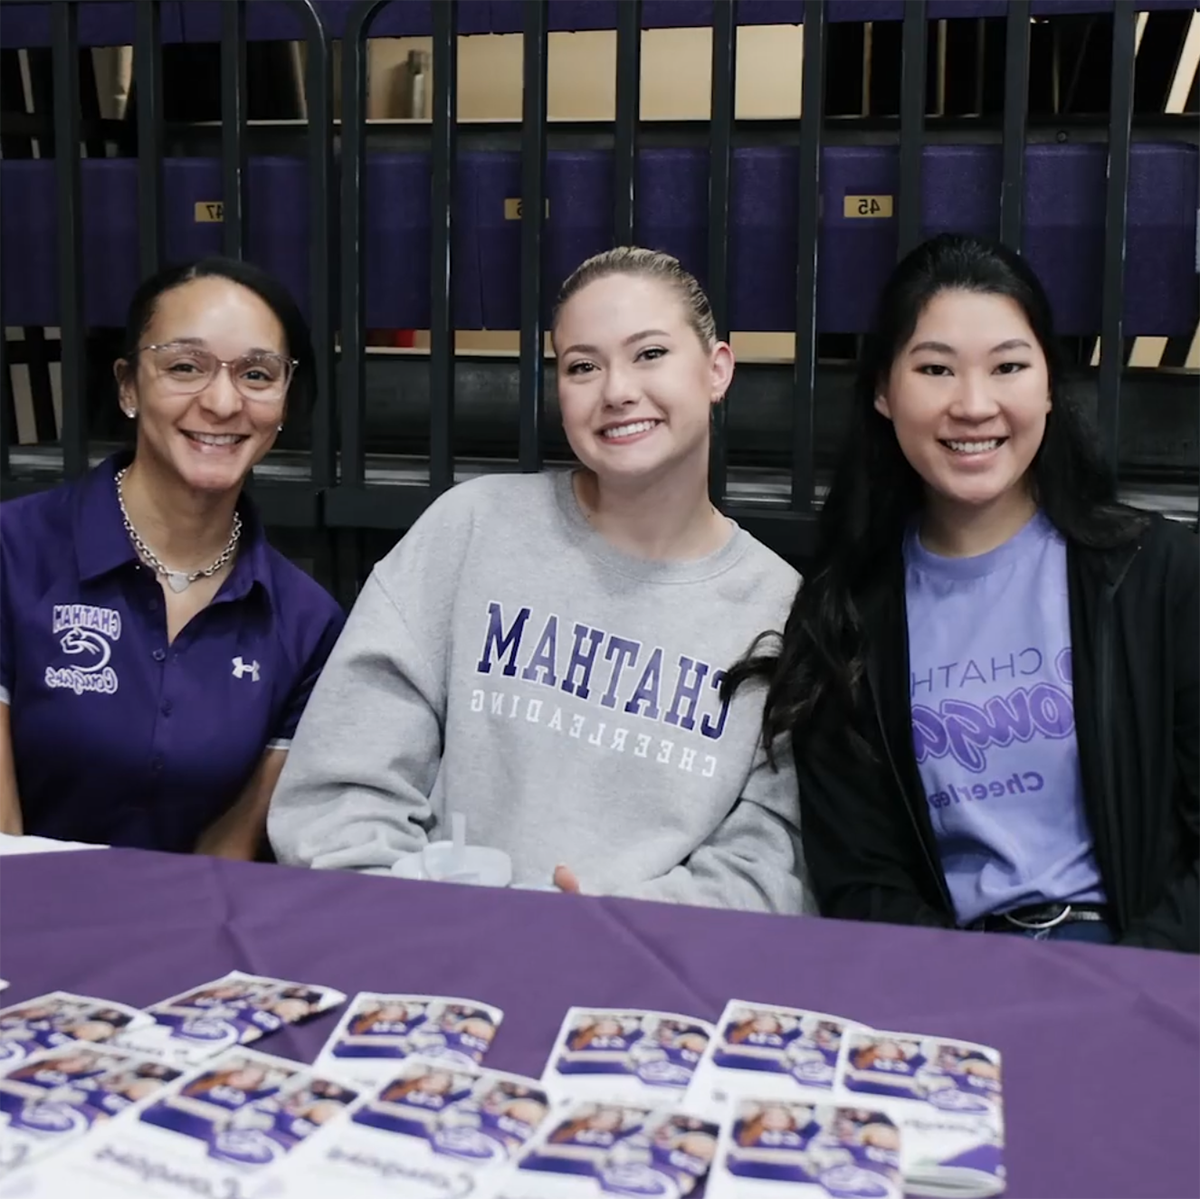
{"x":337,"y":485}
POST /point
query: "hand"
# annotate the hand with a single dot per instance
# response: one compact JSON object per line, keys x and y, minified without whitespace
{"x":565,"y":880}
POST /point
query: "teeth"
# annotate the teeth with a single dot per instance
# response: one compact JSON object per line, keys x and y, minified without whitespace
{"x":629,"y":430}
{"x":974,"y":447}
{"x":216,"y":438}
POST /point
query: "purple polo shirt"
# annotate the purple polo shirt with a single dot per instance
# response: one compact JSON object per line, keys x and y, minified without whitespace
{"x":119,"y":737}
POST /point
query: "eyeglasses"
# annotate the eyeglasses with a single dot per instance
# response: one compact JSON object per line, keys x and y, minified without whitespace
{"x":187,"y":369}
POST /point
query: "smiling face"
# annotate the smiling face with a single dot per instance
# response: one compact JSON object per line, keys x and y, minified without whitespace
{"x":248,"y":1078}
{"x":968,"y":397}
{"x":607,"y":1119}
{"x":209,"y":438}
{"x":777,"y":1119}
{"x":635,"y":383}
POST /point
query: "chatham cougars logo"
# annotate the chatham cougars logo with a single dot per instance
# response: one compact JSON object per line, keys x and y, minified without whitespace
{"x":93,"y":650}
{"x":86,"y":635}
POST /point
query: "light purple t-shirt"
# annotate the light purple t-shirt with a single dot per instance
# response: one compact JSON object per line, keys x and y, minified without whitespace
{"x":994,"y":722}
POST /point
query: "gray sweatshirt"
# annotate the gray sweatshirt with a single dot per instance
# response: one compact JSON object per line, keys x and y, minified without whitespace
{"x":506,"y":662}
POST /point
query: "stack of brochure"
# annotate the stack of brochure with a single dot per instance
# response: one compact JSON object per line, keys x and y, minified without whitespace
{"x":104,"y":1100}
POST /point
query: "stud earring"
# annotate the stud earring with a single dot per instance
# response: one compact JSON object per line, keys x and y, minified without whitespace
{"x":279,"y":429}
{"x":130,"y":412}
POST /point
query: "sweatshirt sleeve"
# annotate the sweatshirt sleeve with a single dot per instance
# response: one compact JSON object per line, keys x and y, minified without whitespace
{"x":354,"y":793}
{"x":753,"y":859}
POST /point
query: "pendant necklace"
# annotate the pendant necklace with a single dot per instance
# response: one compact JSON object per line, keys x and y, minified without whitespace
{"x":177,"y":580}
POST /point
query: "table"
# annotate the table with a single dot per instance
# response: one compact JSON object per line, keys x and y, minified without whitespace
{"x":1101,"y":1046}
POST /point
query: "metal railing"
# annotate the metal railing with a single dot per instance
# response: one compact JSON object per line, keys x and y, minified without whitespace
{"x":332,"y":486}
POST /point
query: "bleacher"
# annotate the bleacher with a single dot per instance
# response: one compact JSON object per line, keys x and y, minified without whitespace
{"x":730,"y":197}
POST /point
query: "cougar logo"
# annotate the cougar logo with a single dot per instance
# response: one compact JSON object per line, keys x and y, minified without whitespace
{"x":94,"y":651}
{"x":86,"y":634}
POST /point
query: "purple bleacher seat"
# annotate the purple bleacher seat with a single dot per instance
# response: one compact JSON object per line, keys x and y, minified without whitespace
{"x":26,"y":23}
{"x":28,"y":253}
{"x":396,"y":245}
{"x":856,"y":253}
{"x":277,"y":205}
{"x":960,"y":190}
{"x":672,"y":205}
{"x":579,"y":15}
{"x":963,"y":194}
{"x":1064,"y":235}
{"x":671,"y":216}
{"x":276,"y":19}
{"x":1056,"y":8}
{"x":1064,"y":229}
{"x":762,"y":240}
{"x":101,"y":23}
{"x":487,"y":181}
{"x":579,"y":191}
{"x":278,"y":233}
{"x":29,"y":243}
{"x":1064,"y":226}
{"x":265,"y":20}
{"x":581,"y":214}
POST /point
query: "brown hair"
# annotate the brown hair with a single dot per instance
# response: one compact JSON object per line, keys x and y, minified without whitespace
{"x":651,"y":264}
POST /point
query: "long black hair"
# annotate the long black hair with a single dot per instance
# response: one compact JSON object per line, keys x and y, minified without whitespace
{"x":818,"y":666}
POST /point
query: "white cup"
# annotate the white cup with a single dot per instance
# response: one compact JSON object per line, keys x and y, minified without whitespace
{"x":443,"y":861}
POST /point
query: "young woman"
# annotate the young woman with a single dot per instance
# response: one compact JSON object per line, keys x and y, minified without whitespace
{"x":155,"y":652}
{"x":991,"y":675}
{"x":544,"y":653}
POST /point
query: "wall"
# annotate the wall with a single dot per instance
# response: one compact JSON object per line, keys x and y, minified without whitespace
{"x":581,"y":85}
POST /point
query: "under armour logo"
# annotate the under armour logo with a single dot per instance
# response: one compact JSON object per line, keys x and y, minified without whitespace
{"x":241,"y":669}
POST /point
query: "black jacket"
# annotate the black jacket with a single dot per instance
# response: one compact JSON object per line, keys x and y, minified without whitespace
{"x":1135,"y":651}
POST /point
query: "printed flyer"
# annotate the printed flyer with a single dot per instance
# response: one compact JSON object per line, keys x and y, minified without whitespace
{"x":432,"y":1130}
{"x":218,"y":1130}
{"x":625,"y":1056}
{"x":54,"y":1097}
{"x":943,"y":1096}
{"x":593,"y":1150}
{"x":58,"y":1018}
{"x":780,"y":1150}
{"x":768,"y":1053}
{"x":237,"y":1009}
{"x":377,"y":1031}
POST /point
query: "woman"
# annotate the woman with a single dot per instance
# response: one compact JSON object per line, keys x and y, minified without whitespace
{"x":155,"y":652}
{"x":544,"y":653}
{"x":991,"y":675}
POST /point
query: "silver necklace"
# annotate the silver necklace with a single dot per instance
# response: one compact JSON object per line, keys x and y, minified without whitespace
{"x":177,"y":580}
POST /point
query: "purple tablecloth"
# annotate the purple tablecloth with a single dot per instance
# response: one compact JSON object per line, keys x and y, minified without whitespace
{"x":1101,"y":1046}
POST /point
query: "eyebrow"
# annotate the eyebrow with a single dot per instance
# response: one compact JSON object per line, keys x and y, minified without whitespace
{"x":940,"y":347}
{"x":581,"y":348}
{"x":202,"y":344}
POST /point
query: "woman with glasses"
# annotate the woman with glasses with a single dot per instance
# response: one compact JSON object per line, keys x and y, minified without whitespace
{"x":155,"y":652}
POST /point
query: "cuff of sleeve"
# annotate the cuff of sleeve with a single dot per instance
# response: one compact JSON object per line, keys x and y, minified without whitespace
{"x":4,"y":697}
{"x":280,"y":743}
